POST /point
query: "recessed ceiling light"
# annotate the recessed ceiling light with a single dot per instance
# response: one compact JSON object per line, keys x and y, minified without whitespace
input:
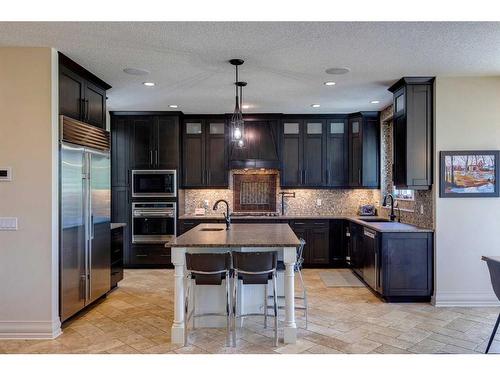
{"x":342,"y":70}
{"x":136,"y":71}
{"x":173,"y":106}
{"x":149,"y":84}
{"x":375,"y":101}
{"x":315,"y":105}
{"x":329,"y":83}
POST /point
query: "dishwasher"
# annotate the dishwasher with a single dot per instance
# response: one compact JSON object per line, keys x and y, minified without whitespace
{"x":370,"y":264}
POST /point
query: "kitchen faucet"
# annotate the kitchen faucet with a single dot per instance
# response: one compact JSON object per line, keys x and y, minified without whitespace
{"x":392,"y":216}
{"x":227,"y":215}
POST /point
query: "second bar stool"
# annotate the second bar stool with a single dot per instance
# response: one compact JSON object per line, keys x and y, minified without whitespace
{"x":258,"y":269}
{"x":207,"y":269}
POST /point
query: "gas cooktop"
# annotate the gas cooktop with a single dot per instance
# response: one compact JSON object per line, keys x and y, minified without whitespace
{"x":255,"y":214}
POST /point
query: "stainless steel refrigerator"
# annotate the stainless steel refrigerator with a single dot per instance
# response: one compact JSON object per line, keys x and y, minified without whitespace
{"x":85,"y":209}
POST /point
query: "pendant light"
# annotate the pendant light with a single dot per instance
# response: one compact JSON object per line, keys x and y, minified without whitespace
{"x":237,"y":123}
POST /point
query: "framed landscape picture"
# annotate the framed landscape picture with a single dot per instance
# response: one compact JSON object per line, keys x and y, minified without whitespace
{"x":469,"y":174}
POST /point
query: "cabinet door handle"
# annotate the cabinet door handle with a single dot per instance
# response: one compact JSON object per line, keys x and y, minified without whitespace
{"x":305,"y":176}
{"x":359,"y":176}
{"x":327,"y":176}
{"x":82,"y":109}
{"x":156,"y":157}
{"x":208,"y":177}
{"x":151,"y":157}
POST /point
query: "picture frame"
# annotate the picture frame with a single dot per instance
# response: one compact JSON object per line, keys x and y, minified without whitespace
{"x":469,"y":174}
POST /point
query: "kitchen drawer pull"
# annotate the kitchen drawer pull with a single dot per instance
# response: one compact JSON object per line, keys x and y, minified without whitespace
{"x":296,"y":223}
{"x":164,"y":255}
{"x":117,"y":251}
{"x":319,"y":223}
{"x":141,"y":255}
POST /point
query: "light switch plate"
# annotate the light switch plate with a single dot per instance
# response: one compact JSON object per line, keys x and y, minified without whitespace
{"x":8,"y":223}
{"x":318,"y":202}
{"x":5,"y":174}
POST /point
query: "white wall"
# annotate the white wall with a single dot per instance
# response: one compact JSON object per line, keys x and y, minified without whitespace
{"x":29,"y":144}
{"x":467,"y":117}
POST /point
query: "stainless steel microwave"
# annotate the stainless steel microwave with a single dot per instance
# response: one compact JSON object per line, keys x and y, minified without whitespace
{"x":155,"y":183}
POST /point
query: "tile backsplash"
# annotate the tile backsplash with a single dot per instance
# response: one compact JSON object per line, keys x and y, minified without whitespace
{"x":306,"y":201}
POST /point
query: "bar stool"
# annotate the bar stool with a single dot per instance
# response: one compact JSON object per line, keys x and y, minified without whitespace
{"x":207,"y":269}
{"x":494,"y":268}
{"x":297,"y":269}
{"x":255,"y":268}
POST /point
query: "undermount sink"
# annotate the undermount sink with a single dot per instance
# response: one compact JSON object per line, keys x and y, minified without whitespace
{"x":211,"y":229}
{"x":375,"y":220}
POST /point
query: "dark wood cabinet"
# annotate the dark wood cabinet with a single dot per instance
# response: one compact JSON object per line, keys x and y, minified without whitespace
{"x":120,"y":146}
{"x":304,"y":153}
{"x":150,"y":256}
{"x":141,"y":142}
{"x":166,"y":142}
{"x":336,"y":153}
{"x":397,"y":266}
{"x":338,"y":243}
{"x":292,"y":150}
{"x":71,"y":93}
{"x":356,"y":253}
{"x":204,"y":153}
{"x":364,"y":146}
{"x":82,"y":95}
{"x":154,"y":141}
{"x":412,"y":132}
{"x":316,"y":233}
{"x":95,"y":105}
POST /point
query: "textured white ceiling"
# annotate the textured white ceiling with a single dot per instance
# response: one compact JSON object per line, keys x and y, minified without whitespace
{"x":284,"y":62}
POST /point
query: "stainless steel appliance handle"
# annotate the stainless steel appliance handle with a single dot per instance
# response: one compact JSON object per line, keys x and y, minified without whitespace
{"x":92,"y":226}
{"x":155,"y":214}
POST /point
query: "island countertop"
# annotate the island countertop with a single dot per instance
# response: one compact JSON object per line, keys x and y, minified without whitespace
{"x":239,"y":235}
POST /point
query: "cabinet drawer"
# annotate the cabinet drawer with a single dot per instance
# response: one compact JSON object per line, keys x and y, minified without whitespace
{"x":150,"y":255}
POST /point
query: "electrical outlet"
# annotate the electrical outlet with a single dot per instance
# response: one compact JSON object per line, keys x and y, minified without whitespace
{"x":205,"y":204}
{"x":8,"y":223}
{"x":421,"y":209}
{"x":318,"y":202}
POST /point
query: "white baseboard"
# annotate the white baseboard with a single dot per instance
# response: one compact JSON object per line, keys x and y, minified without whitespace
{"x":465,"y":299}
{"x":30,"y":330}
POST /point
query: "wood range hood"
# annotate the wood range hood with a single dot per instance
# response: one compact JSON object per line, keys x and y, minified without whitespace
{"x":261,"y":147}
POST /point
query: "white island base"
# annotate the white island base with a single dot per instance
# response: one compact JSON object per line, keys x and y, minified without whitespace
{"x":212,"y":299}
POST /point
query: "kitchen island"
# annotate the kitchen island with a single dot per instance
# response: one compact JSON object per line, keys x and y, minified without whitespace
{"x":240,"y":237}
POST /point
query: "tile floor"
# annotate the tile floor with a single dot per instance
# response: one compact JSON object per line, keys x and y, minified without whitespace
{"x":137,"y":317}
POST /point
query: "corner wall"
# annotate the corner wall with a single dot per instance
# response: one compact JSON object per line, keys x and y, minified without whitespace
{"x":29,"y":144}
{"x":467,"y":117}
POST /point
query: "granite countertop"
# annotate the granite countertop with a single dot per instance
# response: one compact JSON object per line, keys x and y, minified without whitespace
{"x":117,"y":225}
{"x":239,"y":235}
{"x":389,"y":227}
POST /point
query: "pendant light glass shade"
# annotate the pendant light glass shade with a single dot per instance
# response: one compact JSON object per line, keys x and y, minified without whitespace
{"x":237,"y":124}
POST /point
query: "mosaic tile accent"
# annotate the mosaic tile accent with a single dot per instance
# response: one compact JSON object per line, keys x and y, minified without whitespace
{"x":333,"y":202}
